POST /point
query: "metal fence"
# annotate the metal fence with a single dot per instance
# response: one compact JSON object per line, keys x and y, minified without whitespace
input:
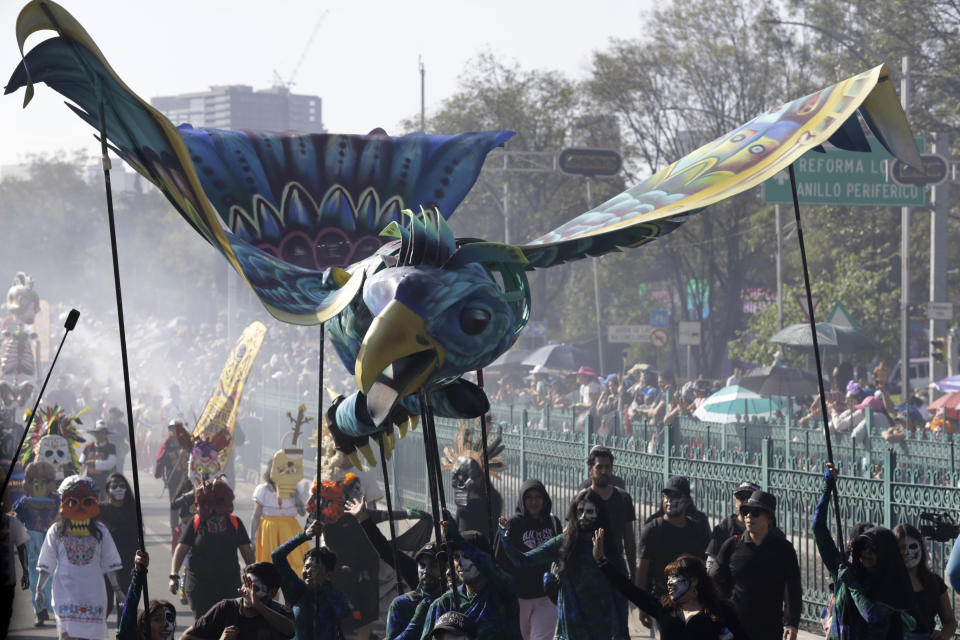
{"x":885,"y":485}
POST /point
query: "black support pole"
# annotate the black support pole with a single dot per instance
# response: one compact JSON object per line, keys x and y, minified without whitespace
{"x":816,"y":351}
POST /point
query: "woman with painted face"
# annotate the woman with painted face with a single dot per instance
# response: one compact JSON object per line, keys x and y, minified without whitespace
{"x":585,"y":604}
{"x":119,"y":513}
{"x":929,"y":591}
{"x":691,"y":608}
{"x":533,"y":525}
{"x":872,"y":591}
{"x":77,"y":552}
{"x":157,"y":622}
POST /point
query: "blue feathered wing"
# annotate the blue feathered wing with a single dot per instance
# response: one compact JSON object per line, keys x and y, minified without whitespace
{"x":281,"y":207}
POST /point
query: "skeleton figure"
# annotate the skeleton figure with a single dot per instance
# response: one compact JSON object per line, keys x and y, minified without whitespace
{"x":23,"y":304}
{"x":465,"y":459}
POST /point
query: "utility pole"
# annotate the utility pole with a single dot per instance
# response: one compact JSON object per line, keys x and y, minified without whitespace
{"x":905,"y":259}
{"x":938,"y":258}
{"x":596,"y":290}
{"x":776,"y":213}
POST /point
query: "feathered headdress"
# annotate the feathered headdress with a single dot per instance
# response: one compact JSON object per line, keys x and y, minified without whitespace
{"x":469,"y":443}
{"x":53,"y":421}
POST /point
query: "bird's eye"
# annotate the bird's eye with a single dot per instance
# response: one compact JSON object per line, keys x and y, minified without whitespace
{"x":474,"y":320}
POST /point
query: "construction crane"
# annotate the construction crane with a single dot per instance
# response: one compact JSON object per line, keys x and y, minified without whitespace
{"x":278,"y":80}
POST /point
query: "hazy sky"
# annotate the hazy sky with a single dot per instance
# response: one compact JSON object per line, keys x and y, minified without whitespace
{"x":362,"y":62}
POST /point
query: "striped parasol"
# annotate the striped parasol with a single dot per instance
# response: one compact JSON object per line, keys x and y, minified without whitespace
{"x":733,"y":401}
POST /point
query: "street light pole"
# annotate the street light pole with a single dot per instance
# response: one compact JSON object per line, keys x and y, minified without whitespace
{"x":776,"y":213}
{"x":596,"y":290}
{"x":905,"y":259}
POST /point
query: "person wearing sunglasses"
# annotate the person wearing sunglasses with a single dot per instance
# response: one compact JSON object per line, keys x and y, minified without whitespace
{"x":756,"y":568}
{"x":730,"y":526}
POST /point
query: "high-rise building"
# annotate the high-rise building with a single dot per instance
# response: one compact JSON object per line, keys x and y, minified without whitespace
{"x":238,"y":106}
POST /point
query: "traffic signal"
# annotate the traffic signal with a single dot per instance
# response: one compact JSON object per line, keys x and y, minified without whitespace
{"x":939,"y":352}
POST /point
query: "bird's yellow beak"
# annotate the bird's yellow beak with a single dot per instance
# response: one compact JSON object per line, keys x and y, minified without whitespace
{"x":396,"y":358}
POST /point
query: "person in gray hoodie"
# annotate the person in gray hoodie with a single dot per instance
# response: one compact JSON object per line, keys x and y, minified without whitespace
{"x":532,"y":525}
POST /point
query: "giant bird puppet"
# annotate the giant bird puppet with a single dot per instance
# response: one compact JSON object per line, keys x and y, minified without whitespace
{"x":351,"y":231}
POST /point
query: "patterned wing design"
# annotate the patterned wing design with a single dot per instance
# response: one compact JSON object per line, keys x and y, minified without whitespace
{"x":733,"y":163}
{"x":281,"y":207}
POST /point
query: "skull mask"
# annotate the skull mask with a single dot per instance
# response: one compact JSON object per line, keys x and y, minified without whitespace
{"x":204,"y":462}
{"x":38,"y":479}
{"x":912,"y":551}
{"x":467,"y":481}
{"x":677,"y":586}
{"x":214,"y":499}
{"x":285,"y":472}
{"x":587,"y":516}
{"x":78,"y":503}
{"x":675,"y":503}
{"x":55,"y":450}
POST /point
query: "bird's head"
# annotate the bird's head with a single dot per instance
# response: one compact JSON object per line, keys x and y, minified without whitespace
{"x":438,"y":313}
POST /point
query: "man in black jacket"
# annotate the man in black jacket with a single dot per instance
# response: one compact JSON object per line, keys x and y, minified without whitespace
{"x":532,"y":525}
{"x":730,"y":526}
{"x":754,"y":568}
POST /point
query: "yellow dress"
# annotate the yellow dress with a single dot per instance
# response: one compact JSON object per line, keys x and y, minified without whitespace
{"x":278,"y":523}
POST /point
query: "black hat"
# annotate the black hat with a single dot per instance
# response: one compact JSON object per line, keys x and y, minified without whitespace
{"x":678,"y":484}
{"x":455,"y":621}
{"x":429,"y":549}
{"x":478,"y":540}
{"x":746,"y":487}
{"x":761,"y":500}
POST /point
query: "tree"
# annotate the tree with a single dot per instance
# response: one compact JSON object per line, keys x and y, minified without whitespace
{"x":704,"y":68}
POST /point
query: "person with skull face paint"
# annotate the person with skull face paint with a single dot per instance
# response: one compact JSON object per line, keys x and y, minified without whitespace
{"x":119,"y":513}
{"x":77,"y":551}
{"x":872,"y":591}
{"x":422,"y":572}
{"x":37,"y":510}
{"x":930,"y":592}
{"x":252,"y":616}
{"x":585,"y":603}
{"x":304,"y":592}
{"x":691,"y":609}
{"x":485,"y":595}
{"x":667,"y":537}
{"x":212,"y":538}
{"x":157,"y":622}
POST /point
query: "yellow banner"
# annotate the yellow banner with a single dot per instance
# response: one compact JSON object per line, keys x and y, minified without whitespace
{"x":221,"y":410}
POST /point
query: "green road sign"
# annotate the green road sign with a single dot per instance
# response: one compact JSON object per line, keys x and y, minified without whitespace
{"x":850,"y":178}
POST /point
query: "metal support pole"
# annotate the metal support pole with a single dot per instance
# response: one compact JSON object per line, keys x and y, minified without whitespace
{"x":506,"y":201}
{"x":938,"y":256}
{"x":905,"y":260}
{"x":776,"y":214}
{"x":596,"y":290}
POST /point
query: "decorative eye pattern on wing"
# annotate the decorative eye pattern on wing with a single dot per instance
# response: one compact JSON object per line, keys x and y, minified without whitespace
{"x":291,"y":204}
{"x":732,"y":164}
